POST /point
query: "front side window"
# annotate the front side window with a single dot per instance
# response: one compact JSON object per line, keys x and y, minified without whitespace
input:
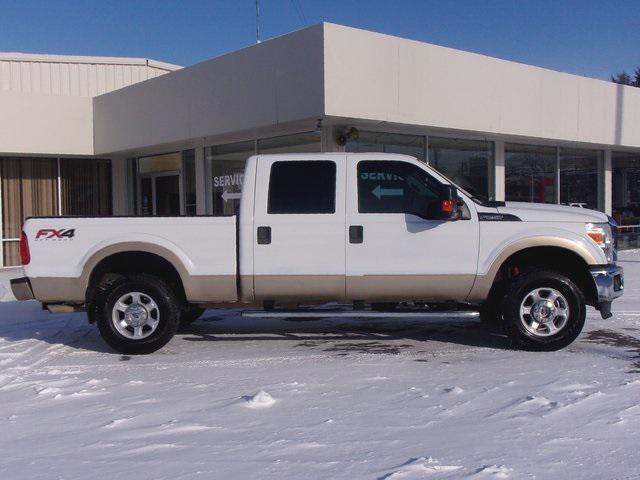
{"x":302,"y":187}
{"x":395,"y":187}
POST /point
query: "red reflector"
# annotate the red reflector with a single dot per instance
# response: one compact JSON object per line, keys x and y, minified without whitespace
{"x":25,"y":255}
{"x":448,"y":206}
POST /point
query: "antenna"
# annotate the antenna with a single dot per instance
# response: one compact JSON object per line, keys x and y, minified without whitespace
{"x":257,"y":21}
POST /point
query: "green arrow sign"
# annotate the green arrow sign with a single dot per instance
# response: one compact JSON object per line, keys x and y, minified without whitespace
{"x":380,"y":192}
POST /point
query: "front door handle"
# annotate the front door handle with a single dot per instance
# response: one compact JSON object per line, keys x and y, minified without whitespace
{"x":264,"y":235}
{"x":356,"y":234}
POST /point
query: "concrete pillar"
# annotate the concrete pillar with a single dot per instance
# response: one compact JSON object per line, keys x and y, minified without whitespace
{"x":497,"y":175}
{"x":1,"y":224}
{"x":558,"y":198}
{"x":201,"y":180}
{"x":605,"y":184}
{"x":328,"y":139}
{"x":120,"y":186}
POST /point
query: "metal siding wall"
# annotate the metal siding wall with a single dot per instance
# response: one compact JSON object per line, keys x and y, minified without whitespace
{"x":72,"y":78}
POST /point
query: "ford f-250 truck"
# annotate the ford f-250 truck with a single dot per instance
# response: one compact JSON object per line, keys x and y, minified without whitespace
{"x":375,"y":231}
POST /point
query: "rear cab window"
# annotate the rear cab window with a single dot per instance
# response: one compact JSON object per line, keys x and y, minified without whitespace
{"x":302,"y":187}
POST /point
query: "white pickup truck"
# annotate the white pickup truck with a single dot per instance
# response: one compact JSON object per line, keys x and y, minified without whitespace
{"x":378,"y":234}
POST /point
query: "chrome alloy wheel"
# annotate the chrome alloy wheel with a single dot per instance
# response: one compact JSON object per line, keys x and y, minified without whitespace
{"x":135,"y":315}
{"x":544,"y":312}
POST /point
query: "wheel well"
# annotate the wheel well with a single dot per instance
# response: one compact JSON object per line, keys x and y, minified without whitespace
{"x":134,"y":262}
{"x":548,"y":258}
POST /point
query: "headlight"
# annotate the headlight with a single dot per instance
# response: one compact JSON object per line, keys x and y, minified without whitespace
{"x":602,"y":236}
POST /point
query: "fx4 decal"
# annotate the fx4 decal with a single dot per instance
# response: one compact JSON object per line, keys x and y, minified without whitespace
{"x":51,"y":233}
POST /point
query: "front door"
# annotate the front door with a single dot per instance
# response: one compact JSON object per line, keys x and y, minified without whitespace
{"x":395,"y":252}
{"x":160,"y":194}
{"x":299,"y":229}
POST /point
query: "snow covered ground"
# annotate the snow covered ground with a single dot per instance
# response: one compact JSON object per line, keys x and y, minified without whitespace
{"x":258,"y":399}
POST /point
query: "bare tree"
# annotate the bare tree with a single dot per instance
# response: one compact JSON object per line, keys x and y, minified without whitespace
{"x":623,"y":78}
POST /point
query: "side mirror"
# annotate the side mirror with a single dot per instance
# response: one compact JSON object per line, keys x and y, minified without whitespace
{"x":446,"y":206}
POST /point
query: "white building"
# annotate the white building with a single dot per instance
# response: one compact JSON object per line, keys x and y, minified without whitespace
{"x":100,"y":136}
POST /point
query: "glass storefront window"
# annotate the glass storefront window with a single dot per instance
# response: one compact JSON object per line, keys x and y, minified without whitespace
{"x":530,"y":173}
{"x":166,"y":184}
{"x":466,"y":162}
{"x":626,"y":197}
{"x":226,"y":164}
{"x":579,"y":177}
{"x":86,"y":187}
{"x":29,"y":189}
{"x":227,"y":174}
{"x":189,"y":181}
{"x":167,"y":162}
{"x":33,"y":187}
{"x":308,"y":142}
{"x":626,"y":187}
{"x":388,"y":143}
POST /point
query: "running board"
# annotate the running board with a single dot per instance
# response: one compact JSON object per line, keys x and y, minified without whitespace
{"x":440,"y":315}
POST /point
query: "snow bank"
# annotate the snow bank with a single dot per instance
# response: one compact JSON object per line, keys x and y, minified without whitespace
{"x":261,"y":399}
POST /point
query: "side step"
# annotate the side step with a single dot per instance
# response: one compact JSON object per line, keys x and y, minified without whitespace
{"x":439,"y":315}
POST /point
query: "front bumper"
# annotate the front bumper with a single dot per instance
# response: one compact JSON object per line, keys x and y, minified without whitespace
{"x":21,"y":288}
{"x":609,"y":283}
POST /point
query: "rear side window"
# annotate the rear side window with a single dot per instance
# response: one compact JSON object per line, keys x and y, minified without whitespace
{"x":302,"y":187}
{"x":394,"y":187}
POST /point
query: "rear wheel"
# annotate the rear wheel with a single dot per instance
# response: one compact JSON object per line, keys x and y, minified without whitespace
{"x":543,"y":311}
{"x":137,"y":314}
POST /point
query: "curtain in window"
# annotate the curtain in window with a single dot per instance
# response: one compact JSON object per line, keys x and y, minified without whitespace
{"x":85,"y":186}
{"x":28,"y":189}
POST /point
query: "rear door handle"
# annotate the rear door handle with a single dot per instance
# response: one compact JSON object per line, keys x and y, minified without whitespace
{"x":264,"y":235}
{"x":356,"y":234}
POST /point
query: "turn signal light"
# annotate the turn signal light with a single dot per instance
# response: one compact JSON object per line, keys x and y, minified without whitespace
{"x":25,"y":254}
{"x":598,"y":236}
{"x":448,"y":206}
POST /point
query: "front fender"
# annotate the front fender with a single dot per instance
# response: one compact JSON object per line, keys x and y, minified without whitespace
{"x":489,"y":264}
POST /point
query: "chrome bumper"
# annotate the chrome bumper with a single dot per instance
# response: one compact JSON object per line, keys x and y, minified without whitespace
{"x":21,"y":288}
{"x":609,"y":282}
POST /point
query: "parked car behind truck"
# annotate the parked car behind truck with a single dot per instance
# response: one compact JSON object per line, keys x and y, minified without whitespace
{"x":368,"y":229}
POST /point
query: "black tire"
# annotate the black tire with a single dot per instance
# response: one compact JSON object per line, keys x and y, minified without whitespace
{"x":168,"y":309}
{"x":516,"y":293}
{"x":190,"y":314}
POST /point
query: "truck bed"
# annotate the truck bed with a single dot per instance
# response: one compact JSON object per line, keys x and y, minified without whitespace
{"x":64,"y":251}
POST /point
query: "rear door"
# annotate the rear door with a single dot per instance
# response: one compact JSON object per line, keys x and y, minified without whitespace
{"x":394,"y":252}
{"x":299,"y":228}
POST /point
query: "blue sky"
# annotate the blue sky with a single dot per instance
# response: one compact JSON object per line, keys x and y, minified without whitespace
{"x":586,"y":37}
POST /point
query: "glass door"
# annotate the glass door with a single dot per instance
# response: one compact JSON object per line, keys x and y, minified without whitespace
{"x":161,"y":194}
{"x":167,"y":195}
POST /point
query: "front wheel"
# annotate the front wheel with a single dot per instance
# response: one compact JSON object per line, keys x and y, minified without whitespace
{"x":543,"y":311}
{"x":138,"y":314}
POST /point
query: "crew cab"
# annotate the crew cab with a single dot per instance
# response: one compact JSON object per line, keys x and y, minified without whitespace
{"x":371,"y":232}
